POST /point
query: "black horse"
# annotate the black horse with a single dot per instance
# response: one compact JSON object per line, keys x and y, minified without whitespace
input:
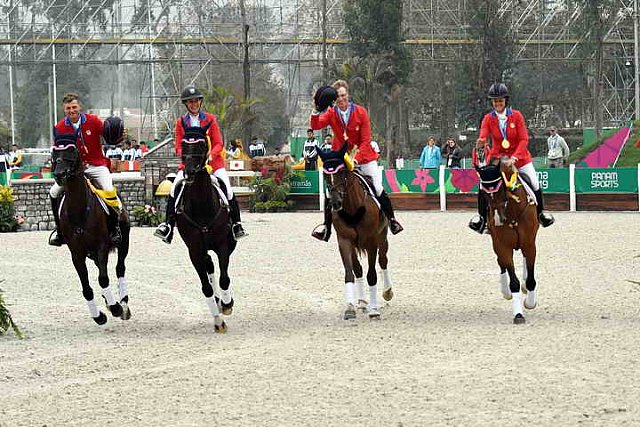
{"x":202,"y":218}
{"x":83,"y":224}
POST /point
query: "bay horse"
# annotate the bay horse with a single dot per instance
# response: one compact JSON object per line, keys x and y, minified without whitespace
{"x":83,"y":223}
{"x":202,"y":218}
{"x":513,"y":224}
{"x":361,"y":228}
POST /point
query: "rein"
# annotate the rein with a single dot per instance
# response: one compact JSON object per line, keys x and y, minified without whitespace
{"x":203,"y":228}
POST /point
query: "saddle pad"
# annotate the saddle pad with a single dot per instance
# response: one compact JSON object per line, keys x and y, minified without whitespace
{"x":368,"y":187}
{"x":102,"y":203}
{"x":221,"y":194}
{"x":528,"y":189}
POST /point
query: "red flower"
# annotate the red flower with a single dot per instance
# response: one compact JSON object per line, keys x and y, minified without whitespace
{"x":423,"y":178}
{"x":464,"y":179}
{"x":264,"y":171}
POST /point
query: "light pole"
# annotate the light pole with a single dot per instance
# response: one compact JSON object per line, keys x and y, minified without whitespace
{"x":636,"y":62}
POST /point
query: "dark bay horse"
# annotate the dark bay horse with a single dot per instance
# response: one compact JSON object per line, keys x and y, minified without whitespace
{"x":361,"y":228}
{"x":513,"y":224}
{"x":204,"y":224}
{"x":83,"y":223}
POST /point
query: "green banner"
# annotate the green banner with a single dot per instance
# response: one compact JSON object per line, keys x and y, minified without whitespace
{"x":304,"y":182}
{"x":607,"y":180}
{"x":554,"y":180}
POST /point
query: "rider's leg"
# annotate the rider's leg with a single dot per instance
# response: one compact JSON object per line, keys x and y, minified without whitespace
{"x":56,"y":238}
{"x":101,"y":176}
{"x":479,"y":222}
{"x":372,"y":170}
{"x":544,"y":218}
{"x":234,"y":208}
{"x":323,"y":231}
{"x":164,"y":231}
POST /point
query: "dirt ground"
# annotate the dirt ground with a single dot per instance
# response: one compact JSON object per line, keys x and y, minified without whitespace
{"x":444,"y":353}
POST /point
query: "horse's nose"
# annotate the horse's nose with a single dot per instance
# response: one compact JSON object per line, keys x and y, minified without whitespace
{"x":336,"y":205}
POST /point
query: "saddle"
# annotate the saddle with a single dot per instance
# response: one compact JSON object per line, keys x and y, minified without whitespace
{"x":368,"y":186}
{"x":218,"y":186}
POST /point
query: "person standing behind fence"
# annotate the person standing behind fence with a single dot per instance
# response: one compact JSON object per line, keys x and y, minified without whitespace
{"x":310,"y":151}
{"x":431,"y":156}
{"x":558,"y":149}
{"x":452,"y":153}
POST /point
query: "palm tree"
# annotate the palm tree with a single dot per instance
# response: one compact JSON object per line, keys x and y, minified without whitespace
{"x":234,"y":113}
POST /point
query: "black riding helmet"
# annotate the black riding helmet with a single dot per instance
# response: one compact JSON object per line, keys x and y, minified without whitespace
{"x":498,"y":90}
{"x":113,"y":130}
{"x":191,"y":92}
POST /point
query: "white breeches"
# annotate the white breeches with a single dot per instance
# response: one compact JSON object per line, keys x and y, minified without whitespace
{"x":372,"y":170}
{"x":530,"y":172}
{"x":221,"y":174}
{"x":99,"y":176}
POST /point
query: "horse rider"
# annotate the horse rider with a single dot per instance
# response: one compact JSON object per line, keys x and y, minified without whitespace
{"x":350,"y":125}
{"x":88,"y":130}
{"x":508,"y":132}
{"x":196,"y":120}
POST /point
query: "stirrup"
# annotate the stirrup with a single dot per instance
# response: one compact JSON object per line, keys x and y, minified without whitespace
{"x":477,"y":224}
{"x":55,"y":239}
{"x":238,"y":231}
{"x":164,"y":232}
{"x":545,"y":219}
{"x":394,"y":226}
{"x":323,"y":235}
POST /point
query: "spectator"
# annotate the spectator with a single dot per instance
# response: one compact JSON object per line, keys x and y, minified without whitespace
{"x":137,"y":151}
{"x":144,"y":148}
{"x":431,"y":157}
{"x":128,"y":153}
{"x":310,"y":152}
{"x":257,"y":148}
{"x":452,"y":153}
{"x":558,"y":149}
{"x":15,"y":157}
{"x":327,"y":142}
{"x":114,"y":152}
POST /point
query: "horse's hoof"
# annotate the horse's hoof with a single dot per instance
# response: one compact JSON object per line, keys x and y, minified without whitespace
{"x":349,"y":313}
{"x":362,"y":306}
{"x":387,"y":294}
{"x":116,"y":310}
{"x":530,"y":305}
{"x":374,"y":314}
{"x":101,"y":319}
{"x":227,"y":309}
{"x":126,"y":312}
{"x":519,"y":319}
{"x":221,"y":328}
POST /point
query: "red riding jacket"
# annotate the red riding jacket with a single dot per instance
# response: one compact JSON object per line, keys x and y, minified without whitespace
{"x":215,"y":136}
{"x":358,"y":130}
{"x":88,"y":141}
{"x":517,"y":136}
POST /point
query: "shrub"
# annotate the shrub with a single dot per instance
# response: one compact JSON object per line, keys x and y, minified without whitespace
{"x":6,"y":321}
{"x":147,"y":215}
{"x":8,"y":220}
{"x":271,"y":191}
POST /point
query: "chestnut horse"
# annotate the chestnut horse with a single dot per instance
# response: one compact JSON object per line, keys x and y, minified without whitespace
{"x":83,"y":223}
{"x":204,"y":224}
{"x":361,"y":228}
{"x":513,"y":224}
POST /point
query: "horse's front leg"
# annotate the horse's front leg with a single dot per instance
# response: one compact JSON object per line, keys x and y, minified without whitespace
{"x":506,"y":256}
{"x":123,"y":251}
{"x":226,"y":295}
{"x":531,"y":300}
{"x":346,"y":251}
{"x":198,"y":256}
{"x":103,"y":279}
{"x":387,"y":293}
{"x":359,"y":282}
{"x":79,"y":262}
{"x":372,"y":280}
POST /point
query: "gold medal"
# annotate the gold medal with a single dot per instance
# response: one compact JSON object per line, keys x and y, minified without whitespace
{"x":505,"y":143}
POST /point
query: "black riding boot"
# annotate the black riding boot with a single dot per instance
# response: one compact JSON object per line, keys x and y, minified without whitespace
{"x":113,"y":224}
{"x":387,"y":208}
{"x":326,"y":233}
{"x":56,"y":238}
{"x":165,"y":230}
{"x":544,"y":218}
{"x":236,"y":226}
{"x":479,"y":222}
